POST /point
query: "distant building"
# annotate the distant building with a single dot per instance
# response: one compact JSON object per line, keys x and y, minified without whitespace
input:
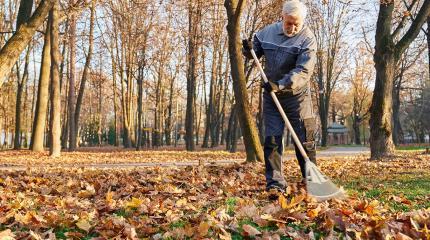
{"x":337,"y":134}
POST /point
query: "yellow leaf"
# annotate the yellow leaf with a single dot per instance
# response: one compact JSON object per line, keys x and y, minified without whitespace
{"x":294,"y":201}
{"x":134,"y":203}
{"x":84,"y":225}
{"x":282,"y":201}
{"x":181,"y":202}
{"x":109,"y":198}
{"x":314,"y":212}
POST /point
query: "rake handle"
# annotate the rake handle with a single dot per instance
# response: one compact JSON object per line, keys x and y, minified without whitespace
{"x":281,"y":110}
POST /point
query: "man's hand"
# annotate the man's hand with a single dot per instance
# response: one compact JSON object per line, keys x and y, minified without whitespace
{"x":246,"y":48}
{"x":247,"y":44}
{"x":270,"y":86}
{"x":285,"y":87}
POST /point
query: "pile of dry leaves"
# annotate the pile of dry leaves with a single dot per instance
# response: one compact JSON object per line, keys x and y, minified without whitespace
{"x":219,"y":202}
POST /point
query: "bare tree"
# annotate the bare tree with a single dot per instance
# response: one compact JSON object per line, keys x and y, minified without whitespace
{"x":388,"y":52}
{"x":85,"y":74}
{"x":254,"y":150}
{"x":194,"y":18}
{"x":329,"y":22}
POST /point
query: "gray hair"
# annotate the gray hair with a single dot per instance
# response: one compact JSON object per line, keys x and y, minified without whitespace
{"x":295,"y":8}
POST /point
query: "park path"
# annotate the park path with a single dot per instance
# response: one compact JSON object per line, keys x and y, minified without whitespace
{"x":327,"y":153}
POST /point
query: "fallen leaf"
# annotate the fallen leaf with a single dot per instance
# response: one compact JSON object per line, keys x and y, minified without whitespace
{"x":250,"y":230}
{"x":134,"y":203}
{"x":7,"y":235}
{"x":203,"y":229}
{"x":84,"y":225}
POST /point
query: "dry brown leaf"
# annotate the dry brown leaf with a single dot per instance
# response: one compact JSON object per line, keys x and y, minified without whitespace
{"x":203,"y":229}
{"x":250,"y":230}
{"x":7,"y":235}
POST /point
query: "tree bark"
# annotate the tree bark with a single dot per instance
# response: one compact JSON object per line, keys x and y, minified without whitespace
{"x":16,"y":44}
{"x":252,"y":143}
{"x":55,"y":125}
{"x":38,"y":134}
{"x":24,"y":12}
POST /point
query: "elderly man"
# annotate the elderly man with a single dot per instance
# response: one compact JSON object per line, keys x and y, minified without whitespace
{"x":289,"y":48}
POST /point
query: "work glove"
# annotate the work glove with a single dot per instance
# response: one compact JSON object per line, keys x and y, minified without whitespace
{"x":270,"y":86}
{"x":247,"y":44}
{"x":246,"y":47}
{"x":276,"y":87}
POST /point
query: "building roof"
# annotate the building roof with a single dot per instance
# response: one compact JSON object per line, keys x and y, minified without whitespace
{"x":337,"y":128}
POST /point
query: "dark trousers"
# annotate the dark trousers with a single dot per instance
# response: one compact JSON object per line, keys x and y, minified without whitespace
{"x":298,"y":109}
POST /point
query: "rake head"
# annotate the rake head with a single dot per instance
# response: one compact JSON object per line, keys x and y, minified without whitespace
{"x":319,"y":186}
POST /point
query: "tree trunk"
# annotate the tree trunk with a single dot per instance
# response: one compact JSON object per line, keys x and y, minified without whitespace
{"x":252,"y":143}
{"x":55,"y":125}
{"x":115,"y":104}
{"x":16,"y":44}
{"x":24,"y":14}
{"x":85,"y":74}
{"x":397,"y":128}
{"x":168,"y":129}
{"x":356,"y":128}
{"x":38,"y":134}
{"x":428,"y":42}
{"x":194,"y":19}
{"x":381,"y":143}
{"x":72,"y":74}
{"x":228,"y":137}
{"x":210,"y":113}
{"x":234,"y":133}
{"x":139,"y":108}
{"x":22,"y":82}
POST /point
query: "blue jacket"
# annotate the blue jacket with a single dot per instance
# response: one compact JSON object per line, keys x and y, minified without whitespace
{"x":289,"y":60}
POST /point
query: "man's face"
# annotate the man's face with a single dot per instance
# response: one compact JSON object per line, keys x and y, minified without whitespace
{"x":291,"y":24}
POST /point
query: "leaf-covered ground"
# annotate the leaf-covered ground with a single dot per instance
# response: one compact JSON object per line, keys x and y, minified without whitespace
{"x":388,"y":199}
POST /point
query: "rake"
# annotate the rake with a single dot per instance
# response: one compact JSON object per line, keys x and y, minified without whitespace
{"x":317,"y":184}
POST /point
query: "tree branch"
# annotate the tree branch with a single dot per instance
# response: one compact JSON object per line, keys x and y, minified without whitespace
{"x":414,"y":29}
{"x":404,"y":18}
{"x":16,"y":44}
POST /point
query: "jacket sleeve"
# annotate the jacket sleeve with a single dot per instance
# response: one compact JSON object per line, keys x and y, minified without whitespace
{"x":299,"y":76}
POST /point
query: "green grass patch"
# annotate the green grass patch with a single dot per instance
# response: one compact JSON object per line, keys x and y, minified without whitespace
{"x":178,"y":224}
{"x":123,"y":213}
{"x":414,"y":187}
{"x":231,"y":203}
{"x":60,"y":233}
{"x":412,"y":147}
